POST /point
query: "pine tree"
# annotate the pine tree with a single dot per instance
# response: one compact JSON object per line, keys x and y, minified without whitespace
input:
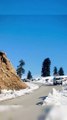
{"x":55,"y":72}
{"x":29,"y":75}
{"x":20,"y":70}
{"x":61,"y":71}
{"x":46,"y":67}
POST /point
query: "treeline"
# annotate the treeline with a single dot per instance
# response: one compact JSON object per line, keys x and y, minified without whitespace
{"x":46,"y":69}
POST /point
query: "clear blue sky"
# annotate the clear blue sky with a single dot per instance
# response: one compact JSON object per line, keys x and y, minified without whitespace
{"x":33,"y":31}
{"x":33,"y":7}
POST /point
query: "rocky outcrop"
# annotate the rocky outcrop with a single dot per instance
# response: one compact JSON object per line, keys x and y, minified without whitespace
{"x":8,"y":76}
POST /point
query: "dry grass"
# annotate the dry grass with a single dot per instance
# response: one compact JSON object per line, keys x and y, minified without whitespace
{"x":8,"y":77}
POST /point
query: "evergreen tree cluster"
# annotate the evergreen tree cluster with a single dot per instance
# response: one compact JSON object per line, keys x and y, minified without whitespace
{"x":46,"y":69}
{"x":58,"y":72}
{"x":46,"y":65}
{"x":20,"y":70}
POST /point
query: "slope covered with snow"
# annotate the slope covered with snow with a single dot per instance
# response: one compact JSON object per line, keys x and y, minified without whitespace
{"x":9,"y":94}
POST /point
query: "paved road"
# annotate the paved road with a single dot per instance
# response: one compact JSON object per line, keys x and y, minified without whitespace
{"x":29,"y":108}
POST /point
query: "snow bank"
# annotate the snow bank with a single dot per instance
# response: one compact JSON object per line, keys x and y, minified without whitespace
{"x":55,"y":98}
{"x":9,"y":94}
{"x":58,"y":101}
{"x":58,"y":113}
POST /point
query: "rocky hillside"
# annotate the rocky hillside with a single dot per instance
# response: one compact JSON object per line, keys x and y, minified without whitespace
{"x":8,"y":76}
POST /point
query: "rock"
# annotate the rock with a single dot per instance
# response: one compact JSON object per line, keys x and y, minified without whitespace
{"x":8,"y":76}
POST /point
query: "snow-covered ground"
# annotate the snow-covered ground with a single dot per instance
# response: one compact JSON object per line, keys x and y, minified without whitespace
{"x":44,"y":80}
{"x":58,"y":102}
{"x":57,"y":113}
{"x":4,"y":108}
{"x":49,"y":80}
{"x":9,"y":94}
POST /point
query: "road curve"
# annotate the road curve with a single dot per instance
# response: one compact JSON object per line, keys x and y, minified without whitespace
{"x":29,"y":105}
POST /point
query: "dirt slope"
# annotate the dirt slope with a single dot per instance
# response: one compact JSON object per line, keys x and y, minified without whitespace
{"x":8,"y":76}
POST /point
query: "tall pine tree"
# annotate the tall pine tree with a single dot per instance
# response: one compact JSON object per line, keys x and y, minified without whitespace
{"x":61,"y":71}
{"x":46,"y":67}
{"x":55,"y":72}
{"x":20,"y":70}
{"x":29,"y":75}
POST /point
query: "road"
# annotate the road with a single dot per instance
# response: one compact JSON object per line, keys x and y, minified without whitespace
{"x":29,"y":105}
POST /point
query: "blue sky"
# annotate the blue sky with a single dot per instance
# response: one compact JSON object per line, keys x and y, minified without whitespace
{"x":33,"y":31}
{"x":28,"y":7}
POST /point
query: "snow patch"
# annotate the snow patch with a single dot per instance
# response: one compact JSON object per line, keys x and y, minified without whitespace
{"x":9,"y":94}
{"x":58,"y":101}
{"x":45,"y":80}
{"x":8,"y":107}
{"x":57,"y":113}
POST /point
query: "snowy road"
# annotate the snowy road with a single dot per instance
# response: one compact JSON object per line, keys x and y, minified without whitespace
{"x":26,"y":107}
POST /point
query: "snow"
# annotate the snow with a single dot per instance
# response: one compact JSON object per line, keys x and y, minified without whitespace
{"x":58,"y":101}
{"x":58,"y":113}
{"x":8,"y":107}
{"x":45,"y":80}
{"x":32,"y":86}
{"x":56,"y":98}
{"x":49,"y":80}
{"x":9,"y":94}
